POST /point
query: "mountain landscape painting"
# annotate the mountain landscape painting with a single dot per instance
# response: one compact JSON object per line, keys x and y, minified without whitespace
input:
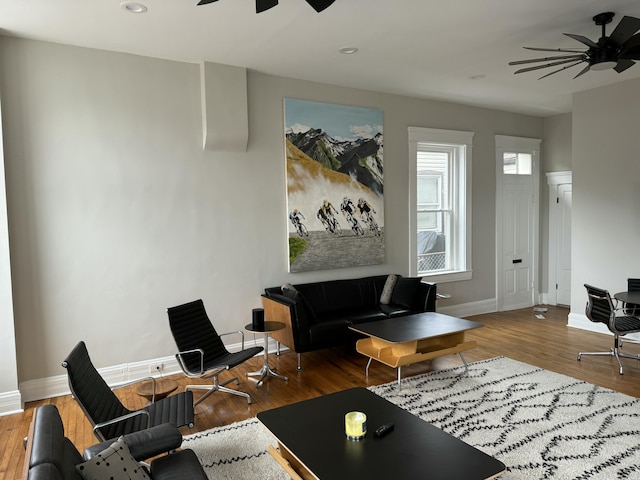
{"x":335,"y":187}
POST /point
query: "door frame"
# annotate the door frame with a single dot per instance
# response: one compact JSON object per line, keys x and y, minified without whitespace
{"x":554,"y":180}
{"x":506,"y":143}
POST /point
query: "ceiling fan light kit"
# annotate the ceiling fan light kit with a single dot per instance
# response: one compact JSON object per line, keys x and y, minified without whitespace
{"x":263,"y":5}
{"x":617,"y":51}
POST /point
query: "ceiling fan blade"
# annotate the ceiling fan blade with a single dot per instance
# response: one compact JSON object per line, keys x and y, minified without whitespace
{"x":623,"y":65}
{"x":552,"y":64}
{"x":566,"y":50}
{"x":320,"y":5}
{"x":583,"y":71}
{"x":625,"y":29}
{"x":631,"y":48}
{"x":632,"y":54}
{"x":262,"y":5}
{"x":204,"y":2}
{"x":546,"y":59}
{"x":560,"y":69}
{"x":582,"y":39}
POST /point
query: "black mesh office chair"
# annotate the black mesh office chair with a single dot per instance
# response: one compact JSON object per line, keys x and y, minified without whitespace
{"x":109,"y":417}
{"x":600,"y":309}
{"x":201,"y":352}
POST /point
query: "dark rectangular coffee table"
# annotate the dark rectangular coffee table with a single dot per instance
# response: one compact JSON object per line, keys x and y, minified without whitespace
{"x":401,"y":341}
{"x":313,"y":445}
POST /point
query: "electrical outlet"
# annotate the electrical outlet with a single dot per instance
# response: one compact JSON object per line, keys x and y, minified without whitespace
{"x":156,"y":368}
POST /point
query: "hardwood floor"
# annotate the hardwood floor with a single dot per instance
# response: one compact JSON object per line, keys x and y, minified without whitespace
{"x":547,"y":343}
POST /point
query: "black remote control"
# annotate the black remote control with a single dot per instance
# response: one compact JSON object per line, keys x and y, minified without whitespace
{"x":382,"y":430}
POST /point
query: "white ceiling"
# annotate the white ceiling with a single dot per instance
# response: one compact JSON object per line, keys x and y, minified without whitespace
{"x":420,"y":48}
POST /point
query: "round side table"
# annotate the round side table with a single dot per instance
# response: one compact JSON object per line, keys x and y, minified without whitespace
{"x":266,"y":370}
{"x":164,"y":387}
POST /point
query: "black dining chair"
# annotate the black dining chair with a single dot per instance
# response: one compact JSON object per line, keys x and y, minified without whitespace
{"x":600,"y":309}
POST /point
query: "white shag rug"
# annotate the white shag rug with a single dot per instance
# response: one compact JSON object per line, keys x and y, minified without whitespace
{"x":540,"y":424}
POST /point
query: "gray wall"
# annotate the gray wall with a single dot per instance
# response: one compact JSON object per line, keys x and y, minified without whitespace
{"x":606,"y":190}
{"x":116,"y":213}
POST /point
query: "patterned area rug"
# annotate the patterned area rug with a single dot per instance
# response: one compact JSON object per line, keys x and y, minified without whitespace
{"x":540,"y":424}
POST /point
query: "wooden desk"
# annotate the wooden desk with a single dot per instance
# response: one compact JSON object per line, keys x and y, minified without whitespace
{"x":313,"y":445}
{"x":414,"y":338}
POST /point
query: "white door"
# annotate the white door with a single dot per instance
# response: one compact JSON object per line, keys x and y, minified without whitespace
{"x":516,"y":222}
{"x":517,"y":242}
{"x":563,"y":269}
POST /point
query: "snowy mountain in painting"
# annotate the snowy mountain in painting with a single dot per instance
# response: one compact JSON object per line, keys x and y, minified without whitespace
{"x":361,"y":158}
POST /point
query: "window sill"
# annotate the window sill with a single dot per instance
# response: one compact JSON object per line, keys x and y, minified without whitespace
{"x":446,"y":276}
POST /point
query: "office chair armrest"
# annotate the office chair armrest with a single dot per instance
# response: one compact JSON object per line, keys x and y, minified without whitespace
{"x":235,"y":333}
{"x":139,"y":380}
{"x":183,"y":365}
{"x":98,"y":426}
{"x":144,"y":444}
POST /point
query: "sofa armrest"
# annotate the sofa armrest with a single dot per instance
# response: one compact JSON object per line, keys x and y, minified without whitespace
{"x":428,"y":294}
{"x":279,"y":308}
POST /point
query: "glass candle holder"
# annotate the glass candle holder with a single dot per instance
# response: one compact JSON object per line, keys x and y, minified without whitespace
{"x":355,"y":425}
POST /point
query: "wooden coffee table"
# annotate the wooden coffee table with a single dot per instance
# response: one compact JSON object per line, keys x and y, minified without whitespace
{"x":312,"y":443}
{"x":400,"y":341}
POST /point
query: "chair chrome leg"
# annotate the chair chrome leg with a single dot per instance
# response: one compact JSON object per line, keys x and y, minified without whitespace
{"x":300,"y":363}
{"x":209,"y":390}
{"x":237,"y":392}
{"x":217,"y":386}
{"x":399,"y":378}
{"x":466,"y":365}
{"x":366,"y":370}
{"x":613,"y":352}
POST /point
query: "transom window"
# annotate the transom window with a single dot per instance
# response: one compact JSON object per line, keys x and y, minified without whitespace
{"x":517,"y":163}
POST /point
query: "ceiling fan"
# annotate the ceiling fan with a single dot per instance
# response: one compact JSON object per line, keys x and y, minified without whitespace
{"x":617,"y":51}
{"x":262,"y":5}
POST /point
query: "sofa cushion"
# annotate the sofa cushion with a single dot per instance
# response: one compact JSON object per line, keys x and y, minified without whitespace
{"x":405,"y":290}
{"x":391,"y":311}
{"x":330,"y":332}
{"x":300,"y":301}
{"x":113,"y":463}
{"x":387,"y":290}
{"x":360,"y":315}
{"x":338,"y":295}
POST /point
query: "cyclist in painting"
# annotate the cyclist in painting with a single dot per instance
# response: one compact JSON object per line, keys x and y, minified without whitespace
{"x":296,"y":218}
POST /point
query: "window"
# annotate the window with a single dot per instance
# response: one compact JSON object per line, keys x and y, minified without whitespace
{"x":516,"y":163}
{"x":440,"y":204}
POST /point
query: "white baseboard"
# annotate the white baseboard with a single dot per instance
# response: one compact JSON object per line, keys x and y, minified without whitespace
{"x":42,"y":388}
{"x":582,"y":322}
{"x":470,"y":309}
{"x":10,"y":402}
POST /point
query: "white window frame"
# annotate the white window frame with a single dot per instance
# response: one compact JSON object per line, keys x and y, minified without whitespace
{"x":460,"y":239}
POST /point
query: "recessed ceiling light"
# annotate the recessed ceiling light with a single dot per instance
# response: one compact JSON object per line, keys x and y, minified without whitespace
{"x":133,"y":7}
{"x":348,"y":50}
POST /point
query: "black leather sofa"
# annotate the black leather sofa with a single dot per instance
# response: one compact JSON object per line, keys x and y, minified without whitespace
{"x":318,"y":315}
{"x":52,"y":456}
